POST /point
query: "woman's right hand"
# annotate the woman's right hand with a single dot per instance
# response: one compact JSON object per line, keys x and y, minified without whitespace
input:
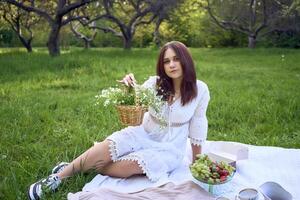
{"x":128,"y":80}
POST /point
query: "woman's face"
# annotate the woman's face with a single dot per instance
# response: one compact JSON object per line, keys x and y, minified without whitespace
{"x":172,"y":64}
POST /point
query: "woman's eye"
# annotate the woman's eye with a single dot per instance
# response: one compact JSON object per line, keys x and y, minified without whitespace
{"x":176,"y":59}
{"x":166,"y":61}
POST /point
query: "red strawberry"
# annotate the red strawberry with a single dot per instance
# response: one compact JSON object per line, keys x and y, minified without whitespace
{"x":224,"y":172}
{"x":223,"y":178}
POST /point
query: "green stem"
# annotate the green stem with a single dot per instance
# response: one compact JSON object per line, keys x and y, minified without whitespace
{"x":210,"y":188}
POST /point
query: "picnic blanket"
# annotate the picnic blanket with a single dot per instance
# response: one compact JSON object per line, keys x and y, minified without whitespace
{"x":264,"y":164}
{"x":184,"y":191}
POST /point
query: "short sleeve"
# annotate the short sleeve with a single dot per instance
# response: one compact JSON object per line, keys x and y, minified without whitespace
{"x":199,"y":124}
{"x":151,"y":82}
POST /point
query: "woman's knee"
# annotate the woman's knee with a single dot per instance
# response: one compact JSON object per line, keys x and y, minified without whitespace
{"x":98,"y":156}
{"x":103,"y":149}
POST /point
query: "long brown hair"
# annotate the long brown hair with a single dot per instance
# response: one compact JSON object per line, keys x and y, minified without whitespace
{"x":188,"y":88}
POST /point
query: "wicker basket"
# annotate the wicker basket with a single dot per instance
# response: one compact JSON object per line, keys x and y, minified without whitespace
{"x":131,"y":115}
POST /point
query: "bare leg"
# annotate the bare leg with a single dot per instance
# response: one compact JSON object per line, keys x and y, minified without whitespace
{"x":122,"y":169}
{"x":94,"y":158}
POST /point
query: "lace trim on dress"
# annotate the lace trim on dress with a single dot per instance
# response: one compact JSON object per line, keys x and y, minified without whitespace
{"x":113,"y":150}
{"x":141,"y":163}
{"x":197,"y":142}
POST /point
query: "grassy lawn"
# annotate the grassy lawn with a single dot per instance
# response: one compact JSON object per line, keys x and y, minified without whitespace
{"x":47,"y":111}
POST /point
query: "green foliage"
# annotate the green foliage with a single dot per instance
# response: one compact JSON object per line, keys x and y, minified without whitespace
{"x":107,"y":40}
{"x":48,"y":114}
{"x":210,"y":35}
{"x":6,"y":36}
{"x":143,"y":36}
{"x":191,"y":24}
{"x":116,"y":96}
{"x":286,"y":39}
{"x":188,"y":23}
{"x":182,"y":24}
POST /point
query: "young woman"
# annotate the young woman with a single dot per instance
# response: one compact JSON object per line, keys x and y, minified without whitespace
{"x":152,"y":149}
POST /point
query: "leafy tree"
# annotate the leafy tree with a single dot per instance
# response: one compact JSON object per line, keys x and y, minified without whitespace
{"x":251,"y":17}
{"x":86,"y":35}
{"x":56,"y":13}
{"x":122,"y":17}
{"x":21,"y":23}
{"x":190,"y":24}
{"x":167,"y":8}
{"x":182,"y":23}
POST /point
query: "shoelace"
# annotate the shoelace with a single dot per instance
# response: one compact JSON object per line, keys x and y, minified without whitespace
{"x":51,"y":182}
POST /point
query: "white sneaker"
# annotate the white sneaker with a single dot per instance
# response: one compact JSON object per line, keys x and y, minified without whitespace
{"x":38,"y":189}
{"x":58,"y":168}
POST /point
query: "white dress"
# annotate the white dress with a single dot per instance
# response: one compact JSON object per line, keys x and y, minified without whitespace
{"x":160,"y":149}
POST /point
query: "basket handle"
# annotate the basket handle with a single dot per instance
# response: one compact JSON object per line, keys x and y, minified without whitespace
{"x":137,"y":101}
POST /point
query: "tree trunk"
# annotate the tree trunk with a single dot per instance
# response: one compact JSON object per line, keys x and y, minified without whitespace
{"x":53,"y":40}
{"x":156,"y":39}
{"x":127,"y":39}
{"x":127,"y":44}
{"x":28,"y":47}
{"x":156,"y":35}
{"x":251,"y":41}
{"x":26,"y":44}
{"x":87,"y":43}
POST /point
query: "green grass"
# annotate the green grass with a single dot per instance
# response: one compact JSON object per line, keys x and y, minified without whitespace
{"x":47,"y":111}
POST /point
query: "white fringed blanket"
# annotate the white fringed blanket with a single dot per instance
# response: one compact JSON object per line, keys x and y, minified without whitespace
{"x":264,"y":164}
